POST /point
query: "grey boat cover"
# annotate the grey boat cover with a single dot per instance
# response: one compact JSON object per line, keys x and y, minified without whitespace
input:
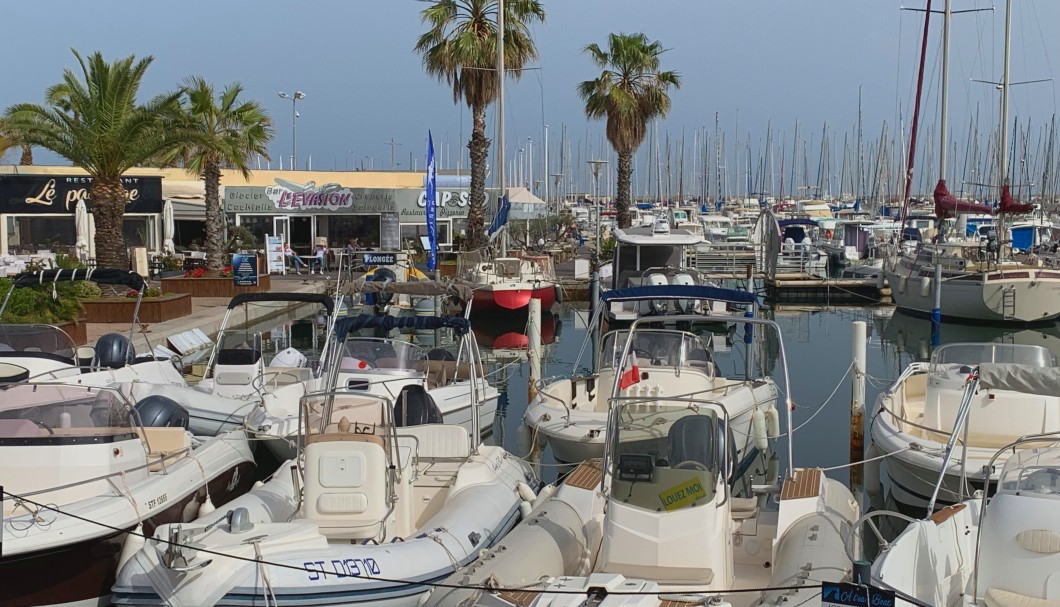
{"x":1020,"y":378}
{"x":422,"y":288}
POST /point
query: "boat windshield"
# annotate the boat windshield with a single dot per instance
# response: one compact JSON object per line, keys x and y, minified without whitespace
{"x":368,"y":353}
{"x":960,"y":358}
{"x":43,"y":341}
{"x":658,"y":348}
{"x":65,"y":413}
{"x":1033,"y":472}
{"x":665,"y":458}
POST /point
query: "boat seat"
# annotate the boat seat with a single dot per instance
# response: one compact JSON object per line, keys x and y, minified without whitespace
{"x":441,"y":372}
{"x":163,"y":443}
{"x":744,"y":507}
{"x":345,"y":490}
{"x":995,"y":597}
{"x":1042,"y":541}
{"x":233,"y":378}
{"x":439,"y":441}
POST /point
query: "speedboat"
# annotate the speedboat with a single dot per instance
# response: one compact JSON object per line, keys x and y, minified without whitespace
{"x":507,"y":284}
{"x":383,"y":501}
{"x":1002,"y":550}
{"x":84,"y":477}
{"x":571,"y":413}
{"x":666,"y":520}
{"x":919,"y":414}
{"x":395,"y":369}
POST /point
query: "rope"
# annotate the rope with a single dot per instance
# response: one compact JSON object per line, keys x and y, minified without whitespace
{"x":428,"y":584}
{"x":267,"y":591}
{"x":866,"y":461}
{"x":132,"y":500}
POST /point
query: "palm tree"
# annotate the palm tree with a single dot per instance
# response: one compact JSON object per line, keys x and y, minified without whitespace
{"x":230,"y":132}
{"x":8,"y":141}
{"x":96,"y":123}
{"x":630,"y":92}
{"x":460,"y":47}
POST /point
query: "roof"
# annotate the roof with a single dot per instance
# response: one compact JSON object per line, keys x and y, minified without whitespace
{"x":647,"y":236}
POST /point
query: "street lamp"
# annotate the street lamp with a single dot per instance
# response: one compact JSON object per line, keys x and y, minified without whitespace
{"x":294,"y":124}
{"x":556,"y":178}
{"x":596,"y":165}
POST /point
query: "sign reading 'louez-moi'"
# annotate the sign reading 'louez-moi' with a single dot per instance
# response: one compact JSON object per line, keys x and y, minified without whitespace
{"x":39,"y":194}
{"x":287,"y":197}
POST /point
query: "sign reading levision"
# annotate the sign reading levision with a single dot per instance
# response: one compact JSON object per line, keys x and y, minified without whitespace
{"x":287,"y":197}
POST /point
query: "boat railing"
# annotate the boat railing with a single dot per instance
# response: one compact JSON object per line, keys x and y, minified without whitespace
{"x":160,"y":459}
{"x":541,"y":384}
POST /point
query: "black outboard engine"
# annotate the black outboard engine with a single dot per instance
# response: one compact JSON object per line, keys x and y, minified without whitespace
{"x":414,"y":407}
{"x":382,"y":300}
{"x":114,"y":351}
{"x":161,"y":412}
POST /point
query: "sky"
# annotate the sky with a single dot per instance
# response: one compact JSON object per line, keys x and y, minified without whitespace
{"x":751,"y":63}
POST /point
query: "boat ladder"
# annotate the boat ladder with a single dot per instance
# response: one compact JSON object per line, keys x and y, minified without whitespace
{"x":1008,"y":302}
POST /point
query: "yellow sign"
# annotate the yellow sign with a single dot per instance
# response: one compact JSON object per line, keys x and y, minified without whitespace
{"x":682,"y":495}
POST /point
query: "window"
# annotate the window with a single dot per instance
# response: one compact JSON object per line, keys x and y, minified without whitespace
{"x":412,"y":232}
{"x":28,"y":234}
{"x":365,"y":228}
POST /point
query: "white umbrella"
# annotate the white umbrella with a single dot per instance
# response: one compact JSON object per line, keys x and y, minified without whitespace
{"x":168,"y":228}
{"x":81,"y":224}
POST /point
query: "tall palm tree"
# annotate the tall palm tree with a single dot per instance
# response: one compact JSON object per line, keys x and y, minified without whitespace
{"x":630,"y":92}
{"x":9,"y":141}
{"x":460,"y":47}
{"x":230,"y":132}
{"x":93,"y":120}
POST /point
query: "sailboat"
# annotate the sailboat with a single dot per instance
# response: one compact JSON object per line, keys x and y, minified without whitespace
{"x":508,"y":283}
{"x":979,"y":279}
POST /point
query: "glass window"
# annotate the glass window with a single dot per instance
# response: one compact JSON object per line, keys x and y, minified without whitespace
{"x":259,"y":225}
{"x":29,"y":234}
{"x":413,"y":231}
{"x":365,"y":228}
{"x":136,"y":231}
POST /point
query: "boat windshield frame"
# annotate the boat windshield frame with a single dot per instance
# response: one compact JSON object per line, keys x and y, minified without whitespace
{"x":408,"y":357}
{"x":956,"y":356}
{"x":1024,"y":470}
{"x":33,"y":414}
{"x":59,"y":346}
{"x":614,"y":341}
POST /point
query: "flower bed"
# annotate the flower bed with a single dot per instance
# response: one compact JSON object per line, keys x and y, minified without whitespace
{"x":152,"y":309}
{"x":212,"y":287}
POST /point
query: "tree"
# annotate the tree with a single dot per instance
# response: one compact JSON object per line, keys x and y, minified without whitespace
{"x":629,"y":92}
{"x":229,"y":133}
{"x":96,"y":123}
{"x":8,"y":141}
{"x":460,"y":47}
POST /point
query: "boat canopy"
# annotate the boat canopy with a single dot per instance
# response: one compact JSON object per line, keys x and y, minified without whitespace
{"x":948,"y":206}
{"x":1044,"y":381}
{"x":423,"y":288}
{"x":365,"y":321}
{"x":679,"y":292}
{"x":103,"y":276}
{"x":797,"y":221}
{"x":317,"y":298}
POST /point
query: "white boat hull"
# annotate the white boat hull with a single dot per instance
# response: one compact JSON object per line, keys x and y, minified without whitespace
{"x":1032,"y":297}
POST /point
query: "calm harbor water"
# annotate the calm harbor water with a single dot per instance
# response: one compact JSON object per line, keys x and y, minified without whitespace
{"x":817,"y":342}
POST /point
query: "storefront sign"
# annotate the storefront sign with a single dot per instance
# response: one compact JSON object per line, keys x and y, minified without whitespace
{"x":245,"y":269}
{"x":274,"y":255}
{"x":380,"y":259}
{"x":291,"y":198}
{"x":389,"y":232}
{"x":38,"y":194}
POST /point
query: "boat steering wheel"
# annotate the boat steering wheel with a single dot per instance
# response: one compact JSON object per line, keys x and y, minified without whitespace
{"x":44,"y":425}
{"x":691,"y":464}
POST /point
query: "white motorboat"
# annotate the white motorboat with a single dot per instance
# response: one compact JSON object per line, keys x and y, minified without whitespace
{"x":80,"y":472}
{"x":1003,"y":551}
{"x":675,"y":527}
{"x":381,"y":506}
{"x":918,"y":415}
{"x":507,"y":284}
{"x":395,"y":369}
{"x":571,"y":414}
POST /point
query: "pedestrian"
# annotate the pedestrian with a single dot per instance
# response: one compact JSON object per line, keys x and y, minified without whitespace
{"x":296,"y":261}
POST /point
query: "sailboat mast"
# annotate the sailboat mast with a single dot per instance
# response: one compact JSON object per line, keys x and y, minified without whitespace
{"x":945,"y":94}
{"x":500,"y":120}
{"x":1003,"y":169}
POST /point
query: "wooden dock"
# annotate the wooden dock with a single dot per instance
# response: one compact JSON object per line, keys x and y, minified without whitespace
{"x":807,"y":289}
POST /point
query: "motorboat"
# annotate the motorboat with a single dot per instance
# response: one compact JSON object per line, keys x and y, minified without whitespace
{"x":921,"y":411}
{"x":507,"y":284}
{"x":1002,"y":550}
{"x":571,"y":413}
{"x":240,"y":375}
{"x":395,"y":369}
{"x":384,"y":500}
{"x":622,"y":532}
{"x":85,"y":473}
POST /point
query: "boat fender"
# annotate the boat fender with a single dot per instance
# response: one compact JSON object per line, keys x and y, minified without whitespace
{"x":772,"y":422}
{"x":525,"y":508}
{"x":258,"y":485}
{"x":134,"y":541}
{"x":525,"y":492}
{"x":872,"y":470}
{"x":546,"y":492}
{"x":758,"y":430}
{"x":925,"y":286}
{"x":207,"y":506}
{"x":902,"y":284}
{"x":559,"y":294}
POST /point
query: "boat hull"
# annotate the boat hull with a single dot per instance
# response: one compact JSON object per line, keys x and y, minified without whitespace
{"x":1019,"y":296}
{"x":513,"y":297}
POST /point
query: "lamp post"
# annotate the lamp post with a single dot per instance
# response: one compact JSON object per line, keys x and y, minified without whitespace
{"x":594,"y":284}
{"x":596,"y":165}
{"x":556,"y":179}
{"x":294,"y":124}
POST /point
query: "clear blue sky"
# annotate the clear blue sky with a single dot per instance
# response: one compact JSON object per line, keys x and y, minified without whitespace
{"x":752,"y":61}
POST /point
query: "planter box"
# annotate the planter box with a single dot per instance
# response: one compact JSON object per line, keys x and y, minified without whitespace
{"x":78,"y":331}
{"x":120,"y":309}
{"x":213,"y":287}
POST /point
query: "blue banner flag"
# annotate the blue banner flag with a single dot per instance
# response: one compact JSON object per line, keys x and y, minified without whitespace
{"x":432,"y":210}
{"x":500,"y":218}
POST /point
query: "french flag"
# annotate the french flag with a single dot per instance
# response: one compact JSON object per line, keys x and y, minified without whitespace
{"x":630,"y":372}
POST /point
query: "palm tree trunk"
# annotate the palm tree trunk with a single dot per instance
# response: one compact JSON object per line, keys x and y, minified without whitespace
{"x":479,"y":147}
{"x":622,"y":197}
{"x":108,"y":211}
{"x":215,"y":246}
{"x":27,"y":156}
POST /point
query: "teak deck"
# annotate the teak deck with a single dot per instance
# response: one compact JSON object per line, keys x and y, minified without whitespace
{"x":587,"y":475}
{"x":807,"y":483}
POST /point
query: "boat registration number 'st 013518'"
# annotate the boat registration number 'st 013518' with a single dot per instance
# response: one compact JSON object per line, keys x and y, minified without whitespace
{"x":338,"y":568}
{"x":683,"y":494}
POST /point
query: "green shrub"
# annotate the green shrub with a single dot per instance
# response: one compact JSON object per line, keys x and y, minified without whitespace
{"x":38,"y":305}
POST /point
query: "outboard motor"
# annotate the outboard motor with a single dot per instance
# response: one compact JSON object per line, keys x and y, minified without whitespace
{"x":114,"y":351}
{"x":289,"y":357}
{"x":161,"y":412}
{"x":414,"y":407}
{"x":381,"y":300}
{"x":686,"y":306}
{"x":440,"y":354}
{"x":658,"y":306}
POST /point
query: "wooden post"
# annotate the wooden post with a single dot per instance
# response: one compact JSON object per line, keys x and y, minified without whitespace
{"x":857,"y":403}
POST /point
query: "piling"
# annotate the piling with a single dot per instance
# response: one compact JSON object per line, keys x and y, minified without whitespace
{"x":533,"y":333}
{"x":748,"y":335}
{"x":936,"y":311}
{"x":857,"y":403}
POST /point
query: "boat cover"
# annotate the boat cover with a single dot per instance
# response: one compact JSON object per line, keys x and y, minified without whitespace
{"x":366,"y":321}
{"x":948,"y":206}
{"x":1020,"y":378}
{"x":424,"y":288}
{"x":103,"y":276}
{"x":679,"y":292}
{"x":1008,"y":205}
{"x":318,"y":298}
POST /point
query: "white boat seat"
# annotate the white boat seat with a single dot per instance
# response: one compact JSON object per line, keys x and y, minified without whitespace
{"x":995,"y":597}
{"x":439,"y":441}
{"x":744,"y":507}
{"x":1042,"y":541}
{"x":346,"y":485}
{"x":164,"y":442}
